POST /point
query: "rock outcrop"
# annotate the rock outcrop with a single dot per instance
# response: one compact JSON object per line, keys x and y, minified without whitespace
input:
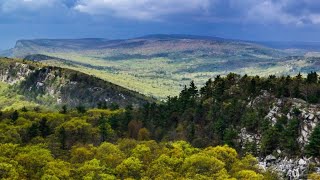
{"x":14,"y":72}
{"x":53,"y":85}
{"x":308,"y":116}
{"x":292,"y":169}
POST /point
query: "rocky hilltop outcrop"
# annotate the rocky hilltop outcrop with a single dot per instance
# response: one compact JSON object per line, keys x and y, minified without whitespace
{"x":308,"y":116}
{"x":290,"y":168}
{"x":53,"y":85}
{"x":12,"y":73}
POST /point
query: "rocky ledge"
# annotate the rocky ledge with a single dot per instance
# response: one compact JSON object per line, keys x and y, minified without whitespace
{"x":288,"y":168}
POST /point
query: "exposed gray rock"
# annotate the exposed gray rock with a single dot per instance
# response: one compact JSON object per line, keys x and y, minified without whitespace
{"x":293,"y":169}
{"x":39,"y":84}
{"x":279,"y":102}
{"x":274,"y":120}
{"x":313,"y":124}
{"x":15,"y":73}
{"x":296,"y":168}
{"x":289,"y":116}
{"x":270,"y":158}
{"x":302,"y":162}
{"x":246,"y":137}
{"x":311,"y":117}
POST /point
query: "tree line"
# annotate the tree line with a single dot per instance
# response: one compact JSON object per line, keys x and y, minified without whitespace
{"x":102,"y":144}
{"x":193,"y":135}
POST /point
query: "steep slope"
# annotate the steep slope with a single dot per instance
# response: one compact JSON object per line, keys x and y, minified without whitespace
{"x":53,"y":85}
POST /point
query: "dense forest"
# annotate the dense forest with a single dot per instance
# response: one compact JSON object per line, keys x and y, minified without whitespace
{"x":196,"y":135}
{"x":216,"y":113}
{"x":86,"y":144}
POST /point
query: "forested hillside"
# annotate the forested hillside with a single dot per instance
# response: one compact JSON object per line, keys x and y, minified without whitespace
{"x":160,"y":90}
{"x":88,"y":144}
{"x":273,"y":108}
{"x":53,"y":87}
{"x":203,"y":133}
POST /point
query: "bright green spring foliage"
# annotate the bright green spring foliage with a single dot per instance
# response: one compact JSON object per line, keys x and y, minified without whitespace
{"x":172,"y":160}
{"x":11,"y":100}
{"x":217,"y":113}
{"x":90,"y":145}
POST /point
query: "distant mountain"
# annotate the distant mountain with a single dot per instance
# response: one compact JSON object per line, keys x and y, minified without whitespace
{"x":180,"y":36}
{"x":53,"y":85}
{"x":6,"y":53}
{"x":155,"y":44}
{"x":148,"y":46}
{"x":160,"y":65}
{"x":26,"y":47}
{"x":306,"y":46}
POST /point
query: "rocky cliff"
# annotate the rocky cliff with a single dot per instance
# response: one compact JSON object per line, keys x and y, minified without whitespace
{"x":294,"y":167}
{"x":52,"y":85}
{"x":14,"y":72}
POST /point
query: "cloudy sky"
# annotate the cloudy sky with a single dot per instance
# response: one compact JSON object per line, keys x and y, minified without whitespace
{"x":260,"y":20}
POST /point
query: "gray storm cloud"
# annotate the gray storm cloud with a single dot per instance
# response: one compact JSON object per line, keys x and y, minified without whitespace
{"x":245,"y":11}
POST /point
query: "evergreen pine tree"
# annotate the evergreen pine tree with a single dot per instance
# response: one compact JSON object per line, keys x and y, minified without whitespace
{"x":313,"y":147}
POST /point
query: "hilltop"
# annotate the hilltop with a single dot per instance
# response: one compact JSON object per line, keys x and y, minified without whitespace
{"x":49,"y":85}
{"x":151,"y":46}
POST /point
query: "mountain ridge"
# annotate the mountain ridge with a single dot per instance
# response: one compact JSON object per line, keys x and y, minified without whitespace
{"x":178,"y":55}
{"x":86,"y":43}
{"x":100,"y":43}
{"x":54,"y":85}
{"x":160,"y":65}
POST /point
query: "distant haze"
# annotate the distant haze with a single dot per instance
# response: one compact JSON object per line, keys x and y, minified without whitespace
{"x":268,"y":20}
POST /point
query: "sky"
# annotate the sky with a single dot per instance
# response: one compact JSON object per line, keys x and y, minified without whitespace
{"x":257,"y":20}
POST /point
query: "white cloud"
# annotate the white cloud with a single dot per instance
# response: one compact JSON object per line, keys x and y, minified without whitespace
{"x":142,"y":9}
{"x":287,"y":12}
{"x":268,"y":11}
{"x":315,"y":18}
{"x":282,"y":11}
